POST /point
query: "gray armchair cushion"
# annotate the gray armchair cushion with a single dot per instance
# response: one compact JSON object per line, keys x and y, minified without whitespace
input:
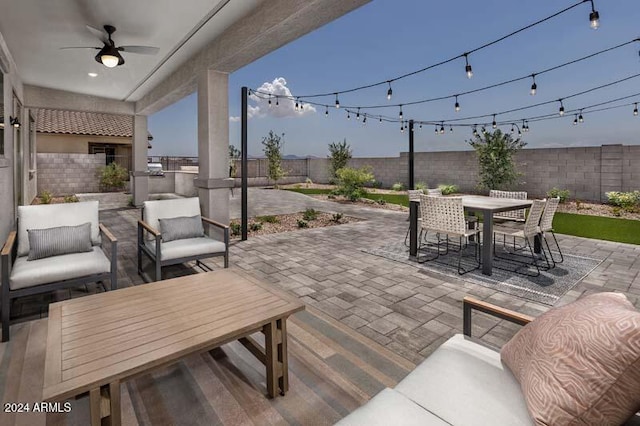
{"x":189,"y":247}
{"x":180,"y":228}
{"x":59,"y":240}
{"x":57,"y":268}
{"x":154,"y":210}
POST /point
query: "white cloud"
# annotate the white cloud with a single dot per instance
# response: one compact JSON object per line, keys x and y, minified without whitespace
{"x":282,"y":104}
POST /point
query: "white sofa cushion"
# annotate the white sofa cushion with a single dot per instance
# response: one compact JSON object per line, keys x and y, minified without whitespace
{"x":391,"y":408}
{"x":465,"y":383}
{"x":189,"y":247}
{"x":57,"y":268}
{"x":54,"y":215}
{"x":162,"y":209}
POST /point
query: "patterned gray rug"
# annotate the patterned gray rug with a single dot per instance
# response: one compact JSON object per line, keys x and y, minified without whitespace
{"x":546,"y":288}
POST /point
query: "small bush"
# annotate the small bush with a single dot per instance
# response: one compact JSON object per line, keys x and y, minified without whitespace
{"x":46,"y":197}
{"x":554,"y":192}
{"x":71,"y":199}
{"x":302,"y":223}
{"x":626,"y":200}
{"x":255,"y":226}
{"x":308,"y":181}
{"x":236,"y":228}
{"x":421,"y":186}
{"x":448,"y":189}
{"x":113,"y":176}
{"x":397,"y":186}
{"x":310,"y":214}
{"x":616,"y":211}
{"x":381,"y":201}
{"x":337,"y":217}
{"x":351,"y":181}
{"x":267,"y":219}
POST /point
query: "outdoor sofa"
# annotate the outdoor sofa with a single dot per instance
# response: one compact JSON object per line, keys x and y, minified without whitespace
{"x":465,"y":382}
{"x":56,"y":246}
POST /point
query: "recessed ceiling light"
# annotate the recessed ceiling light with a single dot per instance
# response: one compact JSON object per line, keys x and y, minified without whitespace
{"x":93,"y":74}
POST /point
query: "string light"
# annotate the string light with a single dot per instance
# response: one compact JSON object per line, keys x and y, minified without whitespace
{"x":561,"y":110}
{"x":380,"y":119}
{"x":358,"y":114}
{"x":301,"y":105}
{"x":337,"y":101}
{"x":297,"y":106}
{"x":436,"y":129}
{"x":402,"y":127}
{"x":475,"y":131}
{"x":457,"y":105}
{"x":467,"y":67}
{"x":575,"y":120}
{"x":421,"y":125}
{"x":580,"y":117}
{"x":450,"y":129}
{"x":390,"y":91}
{"x":635,"y":109}
{"x":348,"y":115}
{"x":277,"y":100}
{"x":364,"y":120}
{"x":594,"y":17}
{"x":442,"y":128}
{"x":484,"y":130}
{"x":534,"y":86}
{"x":326,"y":111}
{"x":269,"y":101}
{"x":512,"y":130}
{"x":494,"y":124}
{"x":400,"y":112}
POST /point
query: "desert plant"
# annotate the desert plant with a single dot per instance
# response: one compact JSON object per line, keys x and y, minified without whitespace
{"x":554,"y":192}
{"x":616,"y":211}
{"x":337,"y":217}
{"x":626,"y":200}
{"x":397,"y":186}
{"x":255,"y":226}
{"x":273,"y":151}
{"x":381,"y":201}
{"x":302,"y":223}
{"x":46,"y":197}
{"x":421,"y":186}
{"x":113,"y":176}
{"x":339,"y":156}
{"x":310,"y":214}
{"x":267,"y":219}
{"x":495,"y":151}
{"x":448,"y":189}
{"x":308,"y":181}
{"x":236,"y":228}
{"x":71,"y":199}
{"x":351,"y":181}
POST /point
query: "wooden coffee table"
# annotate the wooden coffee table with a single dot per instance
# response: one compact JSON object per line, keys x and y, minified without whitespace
{"x":94,"y":343}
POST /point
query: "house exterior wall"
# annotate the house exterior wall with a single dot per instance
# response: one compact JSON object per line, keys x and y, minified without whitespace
{"x":78,"y":144}
{"x":67,"y":174}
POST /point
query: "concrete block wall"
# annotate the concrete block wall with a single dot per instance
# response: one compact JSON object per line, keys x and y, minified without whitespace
{"x":66,"y":174}
{"x":449,"y":167}
{"x":630,"y":168}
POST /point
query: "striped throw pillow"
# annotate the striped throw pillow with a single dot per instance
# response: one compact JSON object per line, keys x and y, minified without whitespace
{"x":50,"y":242}
{"x":179,"y":228}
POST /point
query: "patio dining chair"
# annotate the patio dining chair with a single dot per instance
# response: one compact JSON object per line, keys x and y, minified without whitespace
{"x":172,"y":232}
{"x":414,"y":195}
{"x":530,"y":230}
{"x":515,"y":215}
{"x":445,"y":216}
{"x":546,"y":227}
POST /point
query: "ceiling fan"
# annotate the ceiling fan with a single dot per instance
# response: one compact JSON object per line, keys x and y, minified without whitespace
{"x":109,"y":54}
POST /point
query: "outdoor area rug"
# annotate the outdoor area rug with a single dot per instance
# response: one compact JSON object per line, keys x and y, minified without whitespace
{"x":546,"y":288}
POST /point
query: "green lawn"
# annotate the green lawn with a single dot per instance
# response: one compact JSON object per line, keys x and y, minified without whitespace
{"x":601,"y":228}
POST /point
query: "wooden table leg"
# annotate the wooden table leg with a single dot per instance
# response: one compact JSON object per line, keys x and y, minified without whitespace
{"x":114,"y":398}
{"x":271,"y":352}
{"x":94,"y":404}
{"x":104,"y":405}
{"x":283,"y":380}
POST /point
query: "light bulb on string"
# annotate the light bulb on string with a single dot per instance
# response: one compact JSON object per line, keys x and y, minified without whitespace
{"x":380,"y":118}
{"x":400,"y":115}
{"x":269,"y":101}
{"x":635,"y":109}
{"x":420,"y":125}
{"x":594,"y":17}
{"x":512,"y":129}
{"x":467,"y":67}
{"x":402,"y":127}
{"x":534,"y":86}
{"x":326,"y":111}
{"x":575,"y":120}
{"x":580,"y":117}
{"x":436,"y":129}
{"x":364,"y":119}
{"x":277,"y":101}
{"x":297,"y":107}
{"x":475,"y":131}
{"x":484,"y":130}
{"x":301,"y":105}
{"x":457,"y":105}
{"x":561,"y":110}
{"x":526,"y":124}
{"x":337,"y":101}
{"x":519,"y":133}
{"x":494,"y":124}
{"x":358,"y":114}
{"x":442,"y":128}
{"x":450,"y":128}
{"x":348,"y":115}
{"x":390,"y":91}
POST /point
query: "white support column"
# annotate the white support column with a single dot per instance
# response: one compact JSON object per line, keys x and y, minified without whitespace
{"x":213,"y":181}
{"x":139,"y":174}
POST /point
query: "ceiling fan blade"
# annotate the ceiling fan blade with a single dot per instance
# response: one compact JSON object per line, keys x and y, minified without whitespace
{"x":98,"y":33}
{"x":81,"y":47}
{"x":143,"y":50}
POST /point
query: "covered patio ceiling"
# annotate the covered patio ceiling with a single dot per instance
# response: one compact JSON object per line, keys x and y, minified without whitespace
{"x":191,"y":35}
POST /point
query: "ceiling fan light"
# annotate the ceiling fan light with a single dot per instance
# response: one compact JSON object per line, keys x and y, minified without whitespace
{"x":109,"y":61}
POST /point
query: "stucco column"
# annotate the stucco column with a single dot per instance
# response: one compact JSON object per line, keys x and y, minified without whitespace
{"x":213,"y":181}
{"x":139,"y":174}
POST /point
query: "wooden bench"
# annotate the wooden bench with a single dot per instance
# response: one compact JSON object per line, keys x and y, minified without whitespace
{"x":97,"y":342}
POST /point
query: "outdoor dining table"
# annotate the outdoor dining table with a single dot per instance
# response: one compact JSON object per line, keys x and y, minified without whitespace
{"x":472,"y":203}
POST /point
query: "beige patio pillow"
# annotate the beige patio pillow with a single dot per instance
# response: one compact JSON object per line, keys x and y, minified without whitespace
{"x":580,"y":364}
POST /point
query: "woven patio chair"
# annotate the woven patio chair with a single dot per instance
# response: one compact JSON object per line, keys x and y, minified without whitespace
{"x":516,"y":215}
{"x":445,"y":216}
{"x":546,"y":227}
{"x":434,"y":191}
{"x":530,"y":230}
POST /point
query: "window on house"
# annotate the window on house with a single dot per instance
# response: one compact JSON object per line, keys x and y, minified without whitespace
{"x":32,"y":142}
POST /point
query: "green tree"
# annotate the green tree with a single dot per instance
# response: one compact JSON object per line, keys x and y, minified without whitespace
{"x":495,"y":152}
{"x":339,"y":155}
{"x":273,"y":151}
{"x":351,"y":182}
{"x":234,"y":154}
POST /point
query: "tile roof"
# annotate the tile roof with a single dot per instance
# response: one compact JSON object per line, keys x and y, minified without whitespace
{"x":83,"y":123}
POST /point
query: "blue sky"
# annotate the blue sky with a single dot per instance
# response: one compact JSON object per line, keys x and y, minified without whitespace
{"x":386,"y":38}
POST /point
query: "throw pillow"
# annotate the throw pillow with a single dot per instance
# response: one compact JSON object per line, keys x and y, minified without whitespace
{"x":580,"y":364}
{"x":179,"y":228}
{"x":50,"y":242}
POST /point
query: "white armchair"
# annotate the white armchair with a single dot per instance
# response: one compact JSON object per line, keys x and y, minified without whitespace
{"x":172,"y":232}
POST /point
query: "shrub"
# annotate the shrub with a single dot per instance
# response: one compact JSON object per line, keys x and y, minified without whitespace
{"x":339,"y":155}
{"x":336,"y":217}
{"x":71,"y":199}
{"x":46,"y":197}
{"x":627,"y":200}
{"x":616,"y":211}
{"x":255,"y":226}
{"x":130,"y":202}
{"x":236,"y":228}
{"x":267,"y":219}
{"x":113,"y":176}
{"x":554,"y":192}
{"x":351,"y":181}
{"x":397,"y":186}
{"x":308,"y":181}
{"x":310,"y":214}
{"x":381,"y":201}
{"x":448,"y":189}
{"x":302,"y":223}
{"x":421,"y":186}
{"x":495,"y":151}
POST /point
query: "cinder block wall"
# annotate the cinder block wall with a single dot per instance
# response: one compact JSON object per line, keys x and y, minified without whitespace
{"x":66,"y":174}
